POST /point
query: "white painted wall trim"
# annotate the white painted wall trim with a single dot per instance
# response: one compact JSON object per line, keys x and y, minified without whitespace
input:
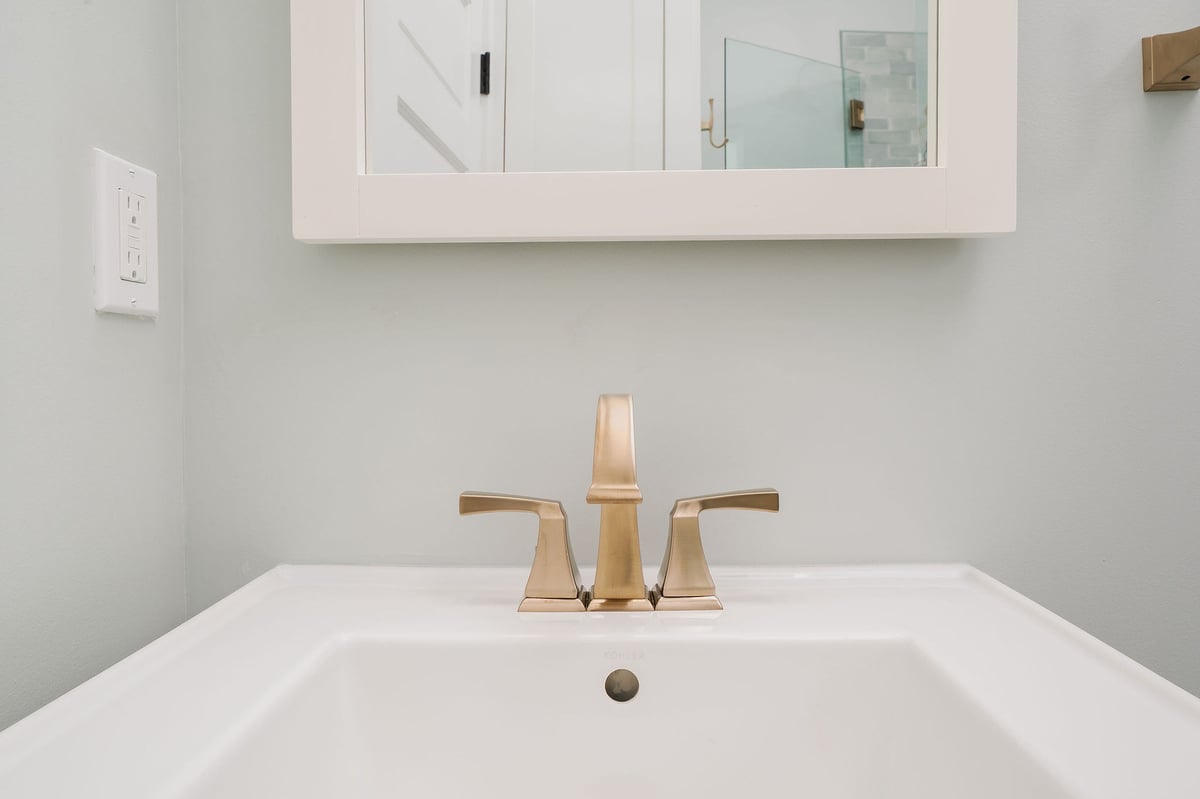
{"x":682,"y":139}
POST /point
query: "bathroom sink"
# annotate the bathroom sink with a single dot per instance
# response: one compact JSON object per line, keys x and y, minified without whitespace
{"x":920,"y":681}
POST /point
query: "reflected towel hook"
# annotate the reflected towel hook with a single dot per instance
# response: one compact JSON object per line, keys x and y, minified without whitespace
{"x":707,"y":127}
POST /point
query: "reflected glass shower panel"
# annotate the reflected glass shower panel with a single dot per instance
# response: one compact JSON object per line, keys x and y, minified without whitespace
{"x":783,"y":111}
{"x":921,"y":59}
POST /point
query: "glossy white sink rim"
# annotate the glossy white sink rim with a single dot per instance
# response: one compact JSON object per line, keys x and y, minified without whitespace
{"x":1097,"y":722}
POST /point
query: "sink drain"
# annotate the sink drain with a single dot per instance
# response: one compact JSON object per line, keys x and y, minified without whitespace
{"x":621,"y":685}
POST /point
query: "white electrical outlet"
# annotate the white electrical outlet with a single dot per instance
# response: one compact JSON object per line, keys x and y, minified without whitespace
{"x":133,"y":258}
{"x":125,"y":236}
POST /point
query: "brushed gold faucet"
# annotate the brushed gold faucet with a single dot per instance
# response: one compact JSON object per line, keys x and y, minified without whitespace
{"x":620,"y":584}
{"x":684,"y":582}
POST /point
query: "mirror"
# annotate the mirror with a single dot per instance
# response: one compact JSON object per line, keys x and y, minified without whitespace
{"x":587,"y":120}
{"x":535,"y":86}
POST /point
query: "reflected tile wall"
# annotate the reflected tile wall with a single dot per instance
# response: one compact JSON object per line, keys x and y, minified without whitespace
{"x":892,"y":90}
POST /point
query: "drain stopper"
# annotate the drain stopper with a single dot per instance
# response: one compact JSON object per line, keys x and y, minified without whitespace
{"x":621,"y":685}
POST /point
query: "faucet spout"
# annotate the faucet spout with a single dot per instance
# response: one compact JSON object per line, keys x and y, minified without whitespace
{"x":614,"y":466}
{"x":620,"y":583}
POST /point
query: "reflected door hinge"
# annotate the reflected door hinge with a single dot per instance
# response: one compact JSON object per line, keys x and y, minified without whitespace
{"x":858,"y":115}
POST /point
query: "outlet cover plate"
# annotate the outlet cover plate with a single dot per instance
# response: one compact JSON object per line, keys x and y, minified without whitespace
{"x":121,"y":288}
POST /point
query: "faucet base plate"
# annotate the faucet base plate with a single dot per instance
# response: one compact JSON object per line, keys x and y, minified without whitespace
{"x":684,"y":602}
{"x":542,"y":605}
{"x":620,"y":605}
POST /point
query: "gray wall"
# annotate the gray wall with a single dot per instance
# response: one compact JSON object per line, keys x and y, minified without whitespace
{"x":91,"y":463}
{"x":1026,"y":403}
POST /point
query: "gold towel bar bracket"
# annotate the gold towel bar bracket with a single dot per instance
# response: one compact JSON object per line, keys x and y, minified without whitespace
{"x":1171,"y":62}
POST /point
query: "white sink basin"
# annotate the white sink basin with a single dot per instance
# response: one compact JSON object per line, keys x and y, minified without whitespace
{"x":897,"y":682}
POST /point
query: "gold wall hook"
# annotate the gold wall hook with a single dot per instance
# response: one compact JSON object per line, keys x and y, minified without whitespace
{"x":684,"y":581}
{"x":1171,"y":62}
{"x":554,"y":584}
{"x":707,"y":127}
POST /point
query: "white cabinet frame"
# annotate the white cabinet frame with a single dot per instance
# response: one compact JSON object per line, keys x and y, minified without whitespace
{"x":971,"y":192}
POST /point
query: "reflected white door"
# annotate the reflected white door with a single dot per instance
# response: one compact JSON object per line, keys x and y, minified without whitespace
{"x":585,"y":85}
{"x":425,"y":112}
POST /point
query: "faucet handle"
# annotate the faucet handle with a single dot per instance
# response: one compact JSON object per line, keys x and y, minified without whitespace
{"x":553,"y":584}
{"x":684,"y":581}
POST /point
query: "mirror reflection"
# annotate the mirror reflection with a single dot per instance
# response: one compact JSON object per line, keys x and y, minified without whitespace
{"x":627,"y":85}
